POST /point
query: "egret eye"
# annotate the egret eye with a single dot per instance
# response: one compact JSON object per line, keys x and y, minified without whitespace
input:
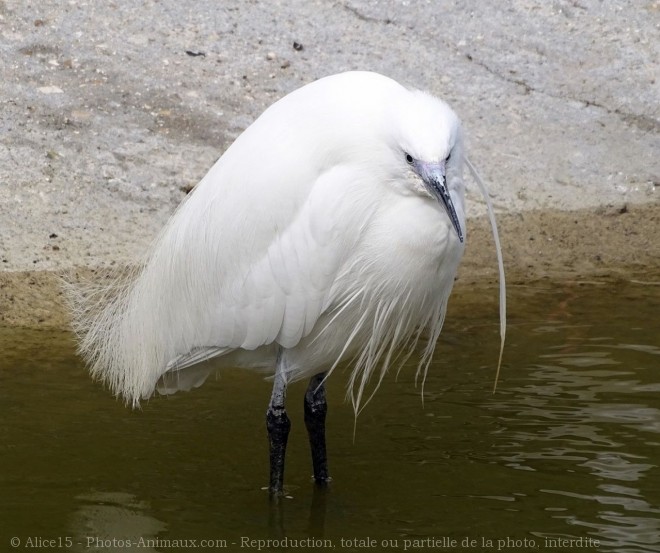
{"x":409,"y":159}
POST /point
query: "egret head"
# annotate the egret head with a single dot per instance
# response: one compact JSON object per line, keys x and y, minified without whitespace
{"x":430,"y":149}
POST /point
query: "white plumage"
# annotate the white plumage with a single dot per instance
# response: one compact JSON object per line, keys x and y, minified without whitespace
{"x":314,"y":239}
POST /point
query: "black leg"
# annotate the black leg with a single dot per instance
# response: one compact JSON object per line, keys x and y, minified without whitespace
{"x":278,"y":426}
{"x":316,"y":409}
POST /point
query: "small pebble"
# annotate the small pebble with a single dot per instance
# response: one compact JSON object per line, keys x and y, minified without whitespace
{"x":50,"y":90}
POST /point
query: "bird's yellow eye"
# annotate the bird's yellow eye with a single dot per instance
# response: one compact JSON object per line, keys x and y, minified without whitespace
{"x":409,"y":159}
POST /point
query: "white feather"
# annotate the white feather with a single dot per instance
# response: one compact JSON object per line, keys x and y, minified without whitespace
{"x":310,"y":235}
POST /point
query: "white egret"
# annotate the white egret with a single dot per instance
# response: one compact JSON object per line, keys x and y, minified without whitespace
{"x":330,"y":230}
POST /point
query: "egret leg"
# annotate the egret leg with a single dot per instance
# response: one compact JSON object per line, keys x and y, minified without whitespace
{"x":278,"y":426}
{"x":316,"y":409}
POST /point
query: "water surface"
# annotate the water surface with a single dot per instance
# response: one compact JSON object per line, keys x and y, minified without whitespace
{"x":567,"y":449}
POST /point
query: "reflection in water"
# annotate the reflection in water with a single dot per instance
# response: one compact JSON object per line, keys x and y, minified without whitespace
{"x":277,"y":514}
{"x":565,"y":420}
{"x":318,"y":510}
{"x":107,"y":522}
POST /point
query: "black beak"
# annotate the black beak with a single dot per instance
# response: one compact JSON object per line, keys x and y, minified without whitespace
{"x":435,"y":180}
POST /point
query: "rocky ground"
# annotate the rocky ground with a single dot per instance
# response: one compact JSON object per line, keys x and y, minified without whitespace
{"x":112,"y":111}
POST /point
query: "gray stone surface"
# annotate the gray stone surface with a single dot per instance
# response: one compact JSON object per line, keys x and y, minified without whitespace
{"x":107,"y":119}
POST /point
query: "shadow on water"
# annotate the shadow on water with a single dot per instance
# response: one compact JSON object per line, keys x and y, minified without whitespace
{"x":567,"y":449}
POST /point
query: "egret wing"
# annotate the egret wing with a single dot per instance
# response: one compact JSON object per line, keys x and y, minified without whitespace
{"x":277,"y":289}
{"x":250,"y":258}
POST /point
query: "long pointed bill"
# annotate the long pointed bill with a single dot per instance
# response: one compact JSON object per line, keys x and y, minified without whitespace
{"x":434,"y":177}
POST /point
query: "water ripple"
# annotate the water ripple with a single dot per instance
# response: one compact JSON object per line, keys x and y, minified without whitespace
{"x":585,"y":408}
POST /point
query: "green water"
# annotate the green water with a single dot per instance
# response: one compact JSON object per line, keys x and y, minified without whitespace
{"x":568,"y":448}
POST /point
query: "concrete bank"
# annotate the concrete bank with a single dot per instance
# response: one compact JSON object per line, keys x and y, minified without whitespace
{"x":112,"y":111}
